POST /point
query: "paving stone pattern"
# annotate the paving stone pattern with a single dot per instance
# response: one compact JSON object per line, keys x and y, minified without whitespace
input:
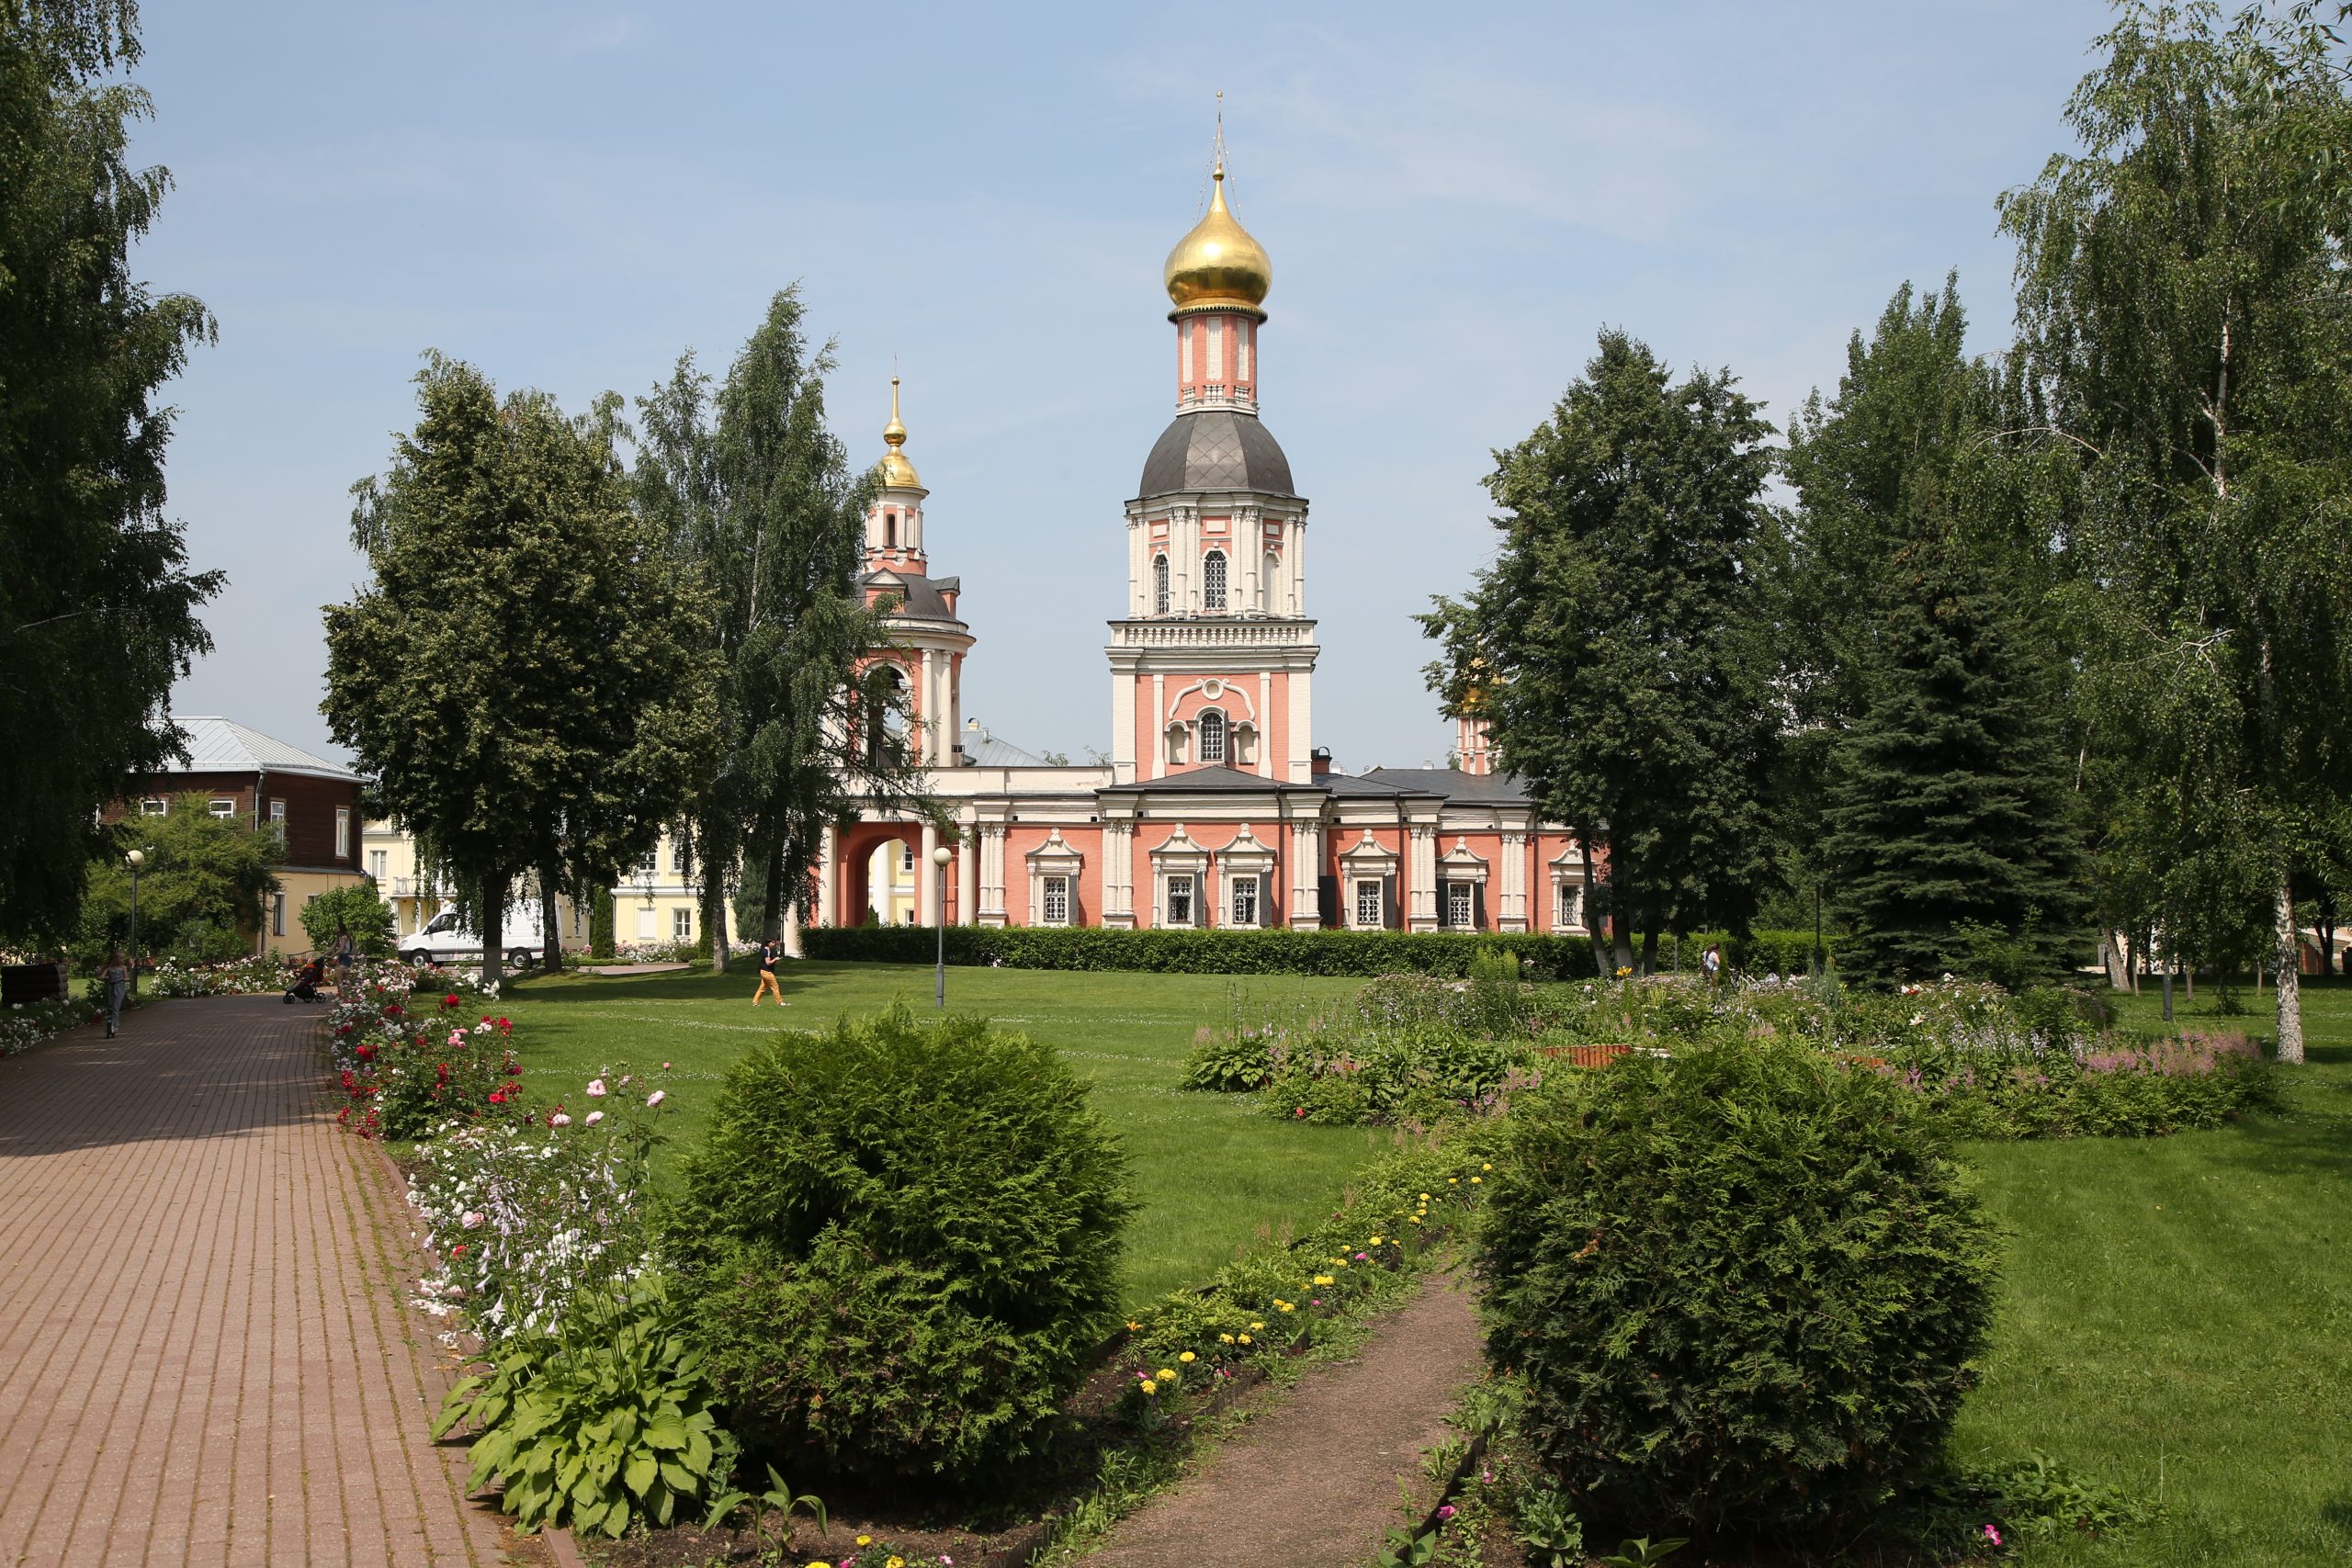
{"x":1312,"y":1483}
{"x":204,"y":1353}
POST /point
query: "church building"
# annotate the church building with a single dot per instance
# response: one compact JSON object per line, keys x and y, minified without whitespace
{"x":1215,"y":809}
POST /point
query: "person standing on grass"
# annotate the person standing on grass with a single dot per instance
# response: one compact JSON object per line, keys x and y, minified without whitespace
{"x":116,"y":980}
{"x":767,"y":976}
{"x":1711,"y":965}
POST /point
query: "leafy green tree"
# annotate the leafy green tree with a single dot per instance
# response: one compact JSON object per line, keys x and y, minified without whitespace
{"x":356,"y":907}
{"x":2186,"y":316}
{"x":514,"y":676}
{"x":199,"y":894}
{"x":750,"y":490}
{"x":1948,"y":807}
{"x":1926,"y":674}
{"x":1627,"y":658}
{"x":97,"y":608}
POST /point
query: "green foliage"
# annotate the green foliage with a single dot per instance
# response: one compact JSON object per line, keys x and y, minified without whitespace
{"x":1951,"y":841}
{"x":97,"y":608}
{"x":779,"y":1498}
{"x":199,"y":894}
{"x":605,"y":1424}
{"x":356,"y":908}
{"x":1345,"y":1076}
{"x":1548,"y":1527}
{"x":753,"y":497}
{"x":1619,"y":642}
{"x":600,"y":923}
{"x":1744,"y":1288}
{"x":905,"y":1239}
{"x":405,"y":1073}
{"x":520,"y":675}
{"x":1203,"y":952}
{"x":1641,"y":1551}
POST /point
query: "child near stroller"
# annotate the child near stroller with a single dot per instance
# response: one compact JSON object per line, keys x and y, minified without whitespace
{"x":305,"y":988}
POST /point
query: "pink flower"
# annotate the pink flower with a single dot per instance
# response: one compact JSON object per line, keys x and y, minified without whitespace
{"x":457,"y":1037}
{"x":559,"y":1120}
{"x":471,"y":1219}
{"x":1445,"y":1513}
{"x":665,"y":1067}
{"x":594,"y":1117}
{"x":657,"y":1097}
{"x":1992,"y":1535}
{"x":596,"y":1088}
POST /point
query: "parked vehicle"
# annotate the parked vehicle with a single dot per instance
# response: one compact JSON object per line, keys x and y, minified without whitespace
{"x":446,"y":937}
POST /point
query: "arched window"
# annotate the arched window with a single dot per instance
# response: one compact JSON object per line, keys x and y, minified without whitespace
{"x":1212,"y":733}
{"x":1213,"y":582}
{"x":1159,"y":585}
{"x":891,"y":530}
{"x":1269,"y":573}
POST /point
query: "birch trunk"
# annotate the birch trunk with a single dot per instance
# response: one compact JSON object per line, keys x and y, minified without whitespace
{"x":2110,"y":954}
{"x":2290,"y":972}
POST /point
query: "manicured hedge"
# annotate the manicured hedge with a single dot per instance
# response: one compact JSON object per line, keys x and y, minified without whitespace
{"x":1366,"y":953}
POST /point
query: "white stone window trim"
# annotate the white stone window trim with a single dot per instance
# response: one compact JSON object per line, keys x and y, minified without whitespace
{"x":1214,"y":734}
{"x":1181,"y":857}
{"x":1057,"y":858}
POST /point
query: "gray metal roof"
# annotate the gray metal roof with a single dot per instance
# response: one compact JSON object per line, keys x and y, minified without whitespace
{"x":921,"y":598}
{"x":217,"y":745}
{"x":1214,"y":780}
{"x":995,"y":753}
{"x":1477,"y":789}
{"x":1215,"y":449}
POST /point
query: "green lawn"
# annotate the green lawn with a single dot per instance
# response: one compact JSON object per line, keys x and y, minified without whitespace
{"x":1209,"y":1171}
{"x":2176,"y":1313}
{"x":2176,"y":1316}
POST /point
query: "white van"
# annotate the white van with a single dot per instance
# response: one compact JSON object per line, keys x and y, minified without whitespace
{"x":445,"y":938}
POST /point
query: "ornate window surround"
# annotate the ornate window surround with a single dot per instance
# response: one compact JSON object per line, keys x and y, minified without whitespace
{"x":1055,"y":857}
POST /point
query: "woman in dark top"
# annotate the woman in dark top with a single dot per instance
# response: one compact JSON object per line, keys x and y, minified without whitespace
{"x":767,"y":976}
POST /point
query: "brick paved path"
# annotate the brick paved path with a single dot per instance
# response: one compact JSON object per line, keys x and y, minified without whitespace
{"x":205,"y":1354}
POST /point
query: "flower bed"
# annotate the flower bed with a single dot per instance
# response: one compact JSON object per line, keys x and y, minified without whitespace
{"x":406,"y":1067}
{"x":24,"y":1025}
{"x":253,"y":975}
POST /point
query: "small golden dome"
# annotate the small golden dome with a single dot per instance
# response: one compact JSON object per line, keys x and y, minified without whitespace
{"x":897,"y":472}
{"x":1218,"y":265}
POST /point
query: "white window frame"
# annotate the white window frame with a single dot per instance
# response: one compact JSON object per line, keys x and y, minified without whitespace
{"x":1246,"y":901}
{"x":682,"y":860}
{"x":1215,"y":576}
{"x":1053,"y":900}
{"x":277,"y":815}
{"x":379,"y":862}
{"x":278,"y":914}
{"x":1461,"y":905}
{"x":1567,"y":905}
{"x":906,"y":858}
{"x":1374,"y":886}
{"x":649,"y":924}
{"x":222,"y":807}
{"x":649,"y":866}
{"x":1189,"y":885}
{"x":155,"y":805}
{"x":342,"y":832}
{"x":1216,"y":736}
{"x":1159,"y":585}
{"x":681,"y":923}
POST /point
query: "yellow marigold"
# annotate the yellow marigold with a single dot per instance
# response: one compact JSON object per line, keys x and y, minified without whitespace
{"x":1134,"y":1328}
{"x":1477,"y":1181}
{"x":1489,"y":1165}
{"x":1375,"y":1241}
{"x":1225,"y":1338}
{"x":1245,"y":1338}
{"x":1338,"y":1263}
{"x":1150,"y":1386}
{"x":1417,"y":1219}
{"x":1425,"y":1196}
{"x":895,"y":1562}
{"x":1255,"y":1327}
{"x":1324,"y":1279}
{"x":1286,"y":1306}
{"x":866,"y":1540}
{"x":1167,"y":1374}
{"x":1187,"y":1357}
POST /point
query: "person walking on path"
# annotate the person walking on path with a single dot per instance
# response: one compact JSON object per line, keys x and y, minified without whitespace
{"x":116,"y":980}
{"x":1713,"y":964}
{"x":767,"y":976}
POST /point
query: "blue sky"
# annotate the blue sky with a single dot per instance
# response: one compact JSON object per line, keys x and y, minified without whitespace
{"x":1455,"y":198}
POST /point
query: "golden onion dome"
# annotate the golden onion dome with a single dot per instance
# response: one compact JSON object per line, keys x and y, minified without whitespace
{"x":897,"y":472}
{"x":1218,"y":265}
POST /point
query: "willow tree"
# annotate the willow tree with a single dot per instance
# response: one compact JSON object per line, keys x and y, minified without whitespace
{"x":97,"y":607}
{"x":2186,"y":314}
{"x":755,"y":497}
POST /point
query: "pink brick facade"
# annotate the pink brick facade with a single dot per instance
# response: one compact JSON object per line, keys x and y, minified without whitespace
{"x":1213,"y":809}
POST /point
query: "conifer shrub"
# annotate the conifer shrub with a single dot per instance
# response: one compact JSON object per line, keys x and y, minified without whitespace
{"x":1744,"y":1284}
{"x":905,"y":1238}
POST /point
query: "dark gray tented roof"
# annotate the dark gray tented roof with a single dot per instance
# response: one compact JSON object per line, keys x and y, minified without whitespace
{"x":1214,"y":779}
{"x":1215,"y":449}
{"x":1480,"y":789}
{"x":920,"y":598}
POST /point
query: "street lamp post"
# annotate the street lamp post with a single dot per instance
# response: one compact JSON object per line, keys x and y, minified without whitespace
{"x":135,"y":859}
{"x":939,"y":859}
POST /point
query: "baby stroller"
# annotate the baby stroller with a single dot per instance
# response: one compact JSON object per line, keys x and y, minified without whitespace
{"x":305,"y":988}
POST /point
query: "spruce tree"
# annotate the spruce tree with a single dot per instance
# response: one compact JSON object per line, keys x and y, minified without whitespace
{"x":1951,"y":841}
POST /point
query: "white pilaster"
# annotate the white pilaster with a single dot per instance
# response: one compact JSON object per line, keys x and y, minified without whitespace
{"x":1305,"y":873}
{"x":1267,"y":765}
{"x":1422,"y":894}
{"x":967,"y":874}
{"x":830,"y":854}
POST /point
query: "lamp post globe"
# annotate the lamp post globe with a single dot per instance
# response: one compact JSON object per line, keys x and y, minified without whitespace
{"x":939,"y":859}
{"x":135,"y":860}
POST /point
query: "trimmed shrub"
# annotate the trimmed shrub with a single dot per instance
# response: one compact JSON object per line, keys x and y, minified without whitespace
{"x":905,"y":1240}
{"x":1447,"y":953}
{"x":1744,"y":1284}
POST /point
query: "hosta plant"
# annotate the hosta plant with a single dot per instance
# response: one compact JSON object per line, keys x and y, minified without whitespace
{"x":606,"y":1423}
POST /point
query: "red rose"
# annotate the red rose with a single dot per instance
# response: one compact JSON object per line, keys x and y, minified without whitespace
{"x":450,"y":1000}
{"x":459,"y":1250}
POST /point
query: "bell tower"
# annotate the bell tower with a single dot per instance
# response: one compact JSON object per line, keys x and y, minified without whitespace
{"x":929,"y":638}
{"x":1213,"y":663}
